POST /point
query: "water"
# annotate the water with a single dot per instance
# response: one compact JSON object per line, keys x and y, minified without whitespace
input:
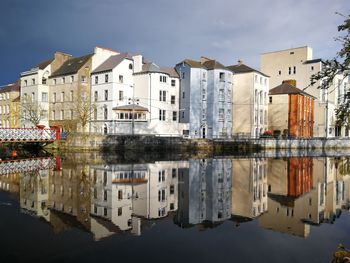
{"x":100,"y":208}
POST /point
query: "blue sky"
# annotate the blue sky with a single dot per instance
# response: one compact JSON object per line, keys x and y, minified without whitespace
{"x":164,"y":31}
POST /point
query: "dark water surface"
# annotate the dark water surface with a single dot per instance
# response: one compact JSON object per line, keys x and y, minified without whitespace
{"x":90,"y":208}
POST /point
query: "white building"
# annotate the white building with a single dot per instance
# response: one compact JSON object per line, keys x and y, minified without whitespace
{"x":34,"y":96}
{"x":206,"y":98}
{"x":299,"y":64}
{"x":250,"y":103}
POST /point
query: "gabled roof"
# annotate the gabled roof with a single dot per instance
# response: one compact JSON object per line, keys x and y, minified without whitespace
{"x":242,"y":68}
{"x":312,"y":61}
{"x":209,"y":64}
{"x":129,"y":107}
{"x":71,"y":66}
{"x":153,"y":68}
{"x":11,"y":87}
{"x":112,"y":62}
{"x":286,"y":88}
{"x":44,"y":64}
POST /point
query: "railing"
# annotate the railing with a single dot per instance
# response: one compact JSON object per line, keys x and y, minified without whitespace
{"x":27,"y":134}
{"x":26,"y":165}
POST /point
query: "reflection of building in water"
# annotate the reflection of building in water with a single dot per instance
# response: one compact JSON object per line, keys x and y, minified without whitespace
{"x":70,"y":192}
{"x":205,"y":193}
{"x":302,"y":191}
{"x":9,"y":182}
{"x":123,"y":192}
{"x":34,"y":195}
{"x":249,"y":187}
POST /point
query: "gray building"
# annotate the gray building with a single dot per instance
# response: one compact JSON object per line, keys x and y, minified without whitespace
{"x":205,"y":98}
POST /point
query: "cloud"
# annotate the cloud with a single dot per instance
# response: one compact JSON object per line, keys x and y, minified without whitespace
{"x":165,"y":31}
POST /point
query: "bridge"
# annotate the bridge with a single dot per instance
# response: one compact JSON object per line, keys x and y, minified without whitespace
{"x":29,"y":165}
{"x":29,"y":135}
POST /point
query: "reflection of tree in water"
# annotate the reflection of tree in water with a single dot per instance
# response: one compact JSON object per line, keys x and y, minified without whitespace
{"x":343,"y":165}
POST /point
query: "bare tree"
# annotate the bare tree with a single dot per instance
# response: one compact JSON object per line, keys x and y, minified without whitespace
{"x":31,"y":111}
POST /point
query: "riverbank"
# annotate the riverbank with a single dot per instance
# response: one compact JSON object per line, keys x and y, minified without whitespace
{"x":98,"y":142}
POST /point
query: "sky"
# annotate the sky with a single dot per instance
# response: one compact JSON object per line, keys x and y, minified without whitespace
{"x":163,"y":31}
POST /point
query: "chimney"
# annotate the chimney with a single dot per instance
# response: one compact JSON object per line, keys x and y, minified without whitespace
{"x":240,"y":62}
{"x":137,"y":63}
{"x":292,"y":82}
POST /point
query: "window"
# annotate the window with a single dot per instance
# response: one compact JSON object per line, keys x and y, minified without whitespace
{"x":183,"y":75}
{"x":294,"y":70}
{"x":63,"y":80}
{"x":172,"y":189}
{"x":291,"y":53}
{"x":71,"y":114}
{"x":121,"y":95}
{"x":270,"y":99}
{"x":105,"y":195}
{"x":121,"y":79}
{"x":96,"y":79}
{"x":43,"y":114}
{"x":130,"y":66}
{"x":55,"y":81}
{"x":183,"y":95}
{"x":62,"y":96}
{"x":54,"y":97}
{"x":33,"y":96}
{"x":105,"y":113}
{"x":120,"y":211}
{"x":71,"y":95}
{"x":172,"y":100}
{"x":221,"y":114}
{"x":120,"y":194}
{"x":25,"y":83}
{"x":290,"y":70}
{"x":44,"y":97}
{"x":105,"y":211}
{"x":106,"y":95}
{"x":222,"y":76}
{"x":83,"y":79}
{"x":33,"y":81}
{"x":96,"y":96}
{"x":162,"y":115}
{"x":255,"y":78}
{"x":162,"y":95}
{"x":221,"y":95}
{"x":53,"y":115}
{"x":161,"y":195}
{"x":279,"y":72}
{"x":174,"y":115}
{"x":106,"y":78}
{"x":43,"y":81}
{"x":173,"y":82}
{"x":163,"y":79}
{"x":71,"y":79}
{"x":312,"y":67}
{"x":62,"y":114}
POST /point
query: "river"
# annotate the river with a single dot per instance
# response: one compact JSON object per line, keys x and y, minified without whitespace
{"x":92,"y":207}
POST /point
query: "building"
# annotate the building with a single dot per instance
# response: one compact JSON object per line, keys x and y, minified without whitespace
{"x":291,"y":111}
{"x":250,"y":103}
{"x":70,"y":91}
{"x":34,"y":99}
{"x":111,"y":86}
{"x":132,"y":96}
{"x":206,"y":98}
{"x":299,"y":64}
{"x":10,"y":105}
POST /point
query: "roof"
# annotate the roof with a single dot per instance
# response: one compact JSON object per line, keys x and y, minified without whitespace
{"x":286,"y":49}
{"x":11,"y":87}
{"x":286,"y":88}
{"x":71,"y":66}
{"x":242,"y":68}
{"x":129,"y":107}
{"x":209,"y":64}
{"x":152,"y":67}
{"x":313,"y":61}
{"x":112,"y":62}
{"x":44,"y":64}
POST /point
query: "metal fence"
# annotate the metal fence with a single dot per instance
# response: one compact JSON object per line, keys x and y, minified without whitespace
{"x":27,"y":134}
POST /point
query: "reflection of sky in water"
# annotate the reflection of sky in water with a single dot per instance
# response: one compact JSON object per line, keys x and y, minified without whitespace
{"x":279,"y":210}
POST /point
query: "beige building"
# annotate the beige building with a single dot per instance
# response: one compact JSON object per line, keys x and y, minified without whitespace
{"x":250,"y":103}
{"x":9,"y":106}
{"x":299,"y":64}
{"x":70,"y":88}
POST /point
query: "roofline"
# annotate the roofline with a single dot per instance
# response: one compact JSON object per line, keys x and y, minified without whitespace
{"x":284,"y":50}
{"x":146,"y":72}
{"x":106,"y":48}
